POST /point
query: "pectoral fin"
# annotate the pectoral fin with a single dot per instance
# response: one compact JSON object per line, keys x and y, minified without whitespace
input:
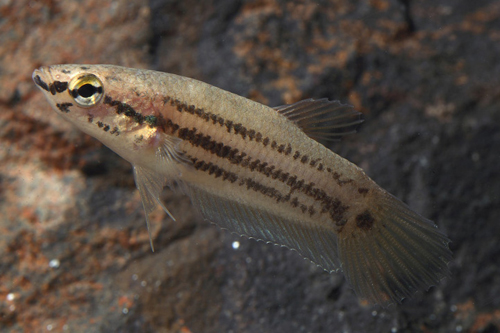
{"x":150,"y":186}
{"x":150,"y":183}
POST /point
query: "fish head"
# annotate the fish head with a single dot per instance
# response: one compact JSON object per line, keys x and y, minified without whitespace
{"x":107,"y":102}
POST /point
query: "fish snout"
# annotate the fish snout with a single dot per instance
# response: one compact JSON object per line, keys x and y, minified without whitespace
{"x":41,"y":78}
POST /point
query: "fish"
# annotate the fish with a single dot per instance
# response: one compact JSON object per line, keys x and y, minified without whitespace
{"x":257,"y":171}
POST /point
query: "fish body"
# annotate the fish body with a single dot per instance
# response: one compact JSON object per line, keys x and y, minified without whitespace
{"x":255,"y":170}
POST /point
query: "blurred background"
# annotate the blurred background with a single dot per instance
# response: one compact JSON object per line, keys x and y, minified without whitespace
{"x":74,"y":248}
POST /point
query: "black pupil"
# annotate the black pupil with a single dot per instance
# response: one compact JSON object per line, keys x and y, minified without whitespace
{"x":87,"y":90}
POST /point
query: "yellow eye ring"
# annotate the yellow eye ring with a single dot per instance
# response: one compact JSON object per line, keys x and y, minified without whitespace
{"x":86,"y":90}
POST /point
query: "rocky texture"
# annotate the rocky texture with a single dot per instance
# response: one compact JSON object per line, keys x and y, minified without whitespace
{"x":73,"y":244}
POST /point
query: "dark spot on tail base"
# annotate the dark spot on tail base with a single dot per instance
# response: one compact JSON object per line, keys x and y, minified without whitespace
{"x":365,"y":220}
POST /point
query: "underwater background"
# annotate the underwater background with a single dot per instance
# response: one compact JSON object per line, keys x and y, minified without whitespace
{"x":74,"y":248}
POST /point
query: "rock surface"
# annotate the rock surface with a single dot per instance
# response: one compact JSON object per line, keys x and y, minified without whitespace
{"x":74,"y":248}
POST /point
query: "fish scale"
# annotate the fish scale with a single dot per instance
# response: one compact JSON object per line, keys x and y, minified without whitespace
{"x":257,"y":171}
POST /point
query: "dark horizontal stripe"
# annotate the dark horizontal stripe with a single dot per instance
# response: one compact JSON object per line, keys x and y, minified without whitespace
{"x":250,"y":184}
{"x":330,"y":205}
{"x":127,"y":110}
{"x":265,"y":190}
{"x":231,"y":126}
{"x":214,"y":169}
{"x":239,"y":129}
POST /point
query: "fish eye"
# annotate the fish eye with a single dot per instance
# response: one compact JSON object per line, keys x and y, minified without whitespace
{"x":86,"y":90}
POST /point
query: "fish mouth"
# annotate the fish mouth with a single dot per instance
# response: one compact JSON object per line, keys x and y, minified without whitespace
{"x":49,"y":79}
{"x":41,"y":78}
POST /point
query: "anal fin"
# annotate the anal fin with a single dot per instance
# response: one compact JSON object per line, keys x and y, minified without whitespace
{"x":317,"y":244}
{"x":401,"y":254}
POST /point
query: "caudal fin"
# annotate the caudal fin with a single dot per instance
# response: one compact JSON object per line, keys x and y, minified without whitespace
{"x":398,"y":253}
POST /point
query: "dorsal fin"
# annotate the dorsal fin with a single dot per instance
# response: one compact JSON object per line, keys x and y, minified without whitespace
{"x":322,"y":119}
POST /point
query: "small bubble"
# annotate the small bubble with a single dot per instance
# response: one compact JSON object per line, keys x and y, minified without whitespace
{"x":49,"y":327}
{"x":12,"y":307}
{"x":65,"y":327}
{"x":144,"y":283}
{"x":157,"y":283}
{"x":236,"y":245}
{"x":134,"y":277}
{"x":445,"y":10}
{"x":54,"y":263}
{"x":248,"y":260}
{"x":374,"y":313}
{"x":125,"y":311}
{"x":453,"y":308}
{"x":458,"y":328}
{"x":11,"y":296}
{"x":394,"y":330}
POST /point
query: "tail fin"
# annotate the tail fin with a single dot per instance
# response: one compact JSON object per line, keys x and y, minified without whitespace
{"x":400,"y":254}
